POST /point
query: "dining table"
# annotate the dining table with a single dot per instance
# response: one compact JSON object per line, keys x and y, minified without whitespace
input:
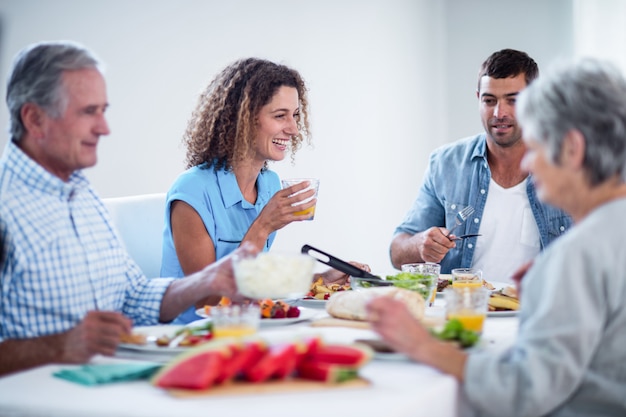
{"x":393,"y":385}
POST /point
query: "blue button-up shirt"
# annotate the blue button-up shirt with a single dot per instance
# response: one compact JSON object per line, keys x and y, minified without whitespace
{"x":457,"y":176}
{"x":62,"y":256}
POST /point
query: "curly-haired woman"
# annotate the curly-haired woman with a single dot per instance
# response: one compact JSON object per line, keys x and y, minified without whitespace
{"x":254,"y":111}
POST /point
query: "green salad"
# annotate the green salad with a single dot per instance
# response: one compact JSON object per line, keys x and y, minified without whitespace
{"x":454,"y":331}
{"x":414,"y":281}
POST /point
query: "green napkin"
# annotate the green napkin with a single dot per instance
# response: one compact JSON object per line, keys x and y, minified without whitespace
{"x":109,"y":372}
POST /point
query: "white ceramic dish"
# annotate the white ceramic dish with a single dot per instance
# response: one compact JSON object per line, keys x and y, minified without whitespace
{"x":305,"y":314}
{"x":152,"y":333}
{"x":497,"y":285}
{"x":311,"y":302}
{"x":503,"y":313}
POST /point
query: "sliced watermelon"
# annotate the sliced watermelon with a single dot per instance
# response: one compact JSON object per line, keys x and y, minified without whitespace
{"x":278,"y":361}
{"x":355,"y":355}
{"x":326,"y":372}
{"x":244,"y":356}
{"x":196,"y":369}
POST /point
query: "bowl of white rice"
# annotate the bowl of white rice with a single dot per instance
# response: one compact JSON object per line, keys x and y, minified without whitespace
{"x":273,"y":275}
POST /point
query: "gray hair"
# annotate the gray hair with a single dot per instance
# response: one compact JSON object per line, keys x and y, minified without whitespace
{"x":36,"y":77}
{"x":588,"y":96}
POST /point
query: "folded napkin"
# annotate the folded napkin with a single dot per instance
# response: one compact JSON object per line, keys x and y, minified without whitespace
{"x":109,"y":372}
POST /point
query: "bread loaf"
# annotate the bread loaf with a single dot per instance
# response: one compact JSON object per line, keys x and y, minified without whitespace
{"x":351,"y":304}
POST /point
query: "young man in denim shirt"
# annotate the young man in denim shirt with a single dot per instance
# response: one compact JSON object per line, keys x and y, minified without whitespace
{"x":484,"y":172}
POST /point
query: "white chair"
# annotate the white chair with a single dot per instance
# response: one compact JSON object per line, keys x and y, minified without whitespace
{"x":139,"y":219}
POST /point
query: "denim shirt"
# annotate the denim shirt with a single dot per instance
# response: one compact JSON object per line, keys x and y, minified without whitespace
{"x":457,"y":176}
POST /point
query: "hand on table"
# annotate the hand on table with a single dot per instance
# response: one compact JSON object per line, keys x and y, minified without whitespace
{"x":392,"y":320}
{"x":98,"y":333}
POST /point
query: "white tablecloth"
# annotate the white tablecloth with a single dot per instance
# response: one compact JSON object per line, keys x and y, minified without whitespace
{"x":398,"y":388}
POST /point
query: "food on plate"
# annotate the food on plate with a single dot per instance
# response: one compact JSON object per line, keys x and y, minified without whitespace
{"x":253,"y":361}
{"x":505,"y":299}
{"x":134,"y":339}
{"x":443,"y":283}
{"x":351,"y":304}
{"x":187,"y":336}
{"x":454,"y":331}
{"x":278,"y":309}
{"x":273,"y":275}
{"x":269,"y":309}
{"x":320,"y":291}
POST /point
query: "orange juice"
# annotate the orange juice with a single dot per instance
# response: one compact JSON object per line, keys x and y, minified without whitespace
{"x":310,"y":210}
{"x":237,"y":330}
{"x":469,"y":319}
{"x":467,"y":284}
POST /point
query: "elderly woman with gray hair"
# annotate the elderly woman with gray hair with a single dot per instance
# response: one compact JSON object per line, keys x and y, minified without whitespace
{"x":569,"y":357}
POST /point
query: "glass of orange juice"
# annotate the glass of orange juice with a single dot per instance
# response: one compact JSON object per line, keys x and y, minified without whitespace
{"x":467,"y":277}
{"x":314,"y":184}
{"x":468,"y":305}
{"x":235,"y":320}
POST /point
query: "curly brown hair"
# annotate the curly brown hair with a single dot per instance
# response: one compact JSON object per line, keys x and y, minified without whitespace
{"x":222,"y":127}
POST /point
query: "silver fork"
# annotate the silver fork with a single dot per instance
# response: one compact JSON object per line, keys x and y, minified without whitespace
{"x":461,"y":217}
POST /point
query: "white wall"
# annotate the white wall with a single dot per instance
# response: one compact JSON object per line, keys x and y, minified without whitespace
{"x":389,"y":81}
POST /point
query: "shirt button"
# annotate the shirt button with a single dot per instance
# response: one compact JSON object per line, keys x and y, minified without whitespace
{"x":476,"y":220}
{"x":482,"y":191}
{"x":453,"y":206}
{"x":562,"y":228}
{"x":469,"y":245}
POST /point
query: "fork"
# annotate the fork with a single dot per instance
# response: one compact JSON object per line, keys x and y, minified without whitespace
{"x":461,"y":217}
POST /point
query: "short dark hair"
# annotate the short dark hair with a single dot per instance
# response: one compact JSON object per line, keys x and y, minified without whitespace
{"x":509,"y":63}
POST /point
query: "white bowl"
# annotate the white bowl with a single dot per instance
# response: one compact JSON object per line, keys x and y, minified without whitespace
{"x":273,"y":275}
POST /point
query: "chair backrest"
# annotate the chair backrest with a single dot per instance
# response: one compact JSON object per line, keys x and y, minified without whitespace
{"x":139,"y":220}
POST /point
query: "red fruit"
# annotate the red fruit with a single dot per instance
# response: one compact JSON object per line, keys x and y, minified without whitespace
{"x":278,"y":362}
{"x":278,"y":313}
{"x":326,"y":372}
{"x":326,"y":296}
{"x":346,"y":355}
{"x":196,"y":369}
{"x":293,"y":312}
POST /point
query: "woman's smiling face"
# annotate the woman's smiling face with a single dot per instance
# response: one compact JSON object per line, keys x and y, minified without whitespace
{"x":277,"y":122}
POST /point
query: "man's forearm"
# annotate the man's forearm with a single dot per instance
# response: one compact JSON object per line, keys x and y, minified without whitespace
{"x":403,"y":250}
{"x":17,"y":355}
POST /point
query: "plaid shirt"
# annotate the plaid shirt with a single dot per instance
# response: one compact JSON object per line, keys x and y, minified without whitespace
{"x":61,"y":255}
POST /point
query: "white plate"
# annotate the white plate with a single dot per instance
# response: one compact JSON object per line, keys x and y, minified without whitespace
{"x":497,"y":285}
{"x":503,"y":313}
{"x":390,"y":356}
{"x":305,"y":314}
{"x":152,"y":333}
{"x":312,"y":302}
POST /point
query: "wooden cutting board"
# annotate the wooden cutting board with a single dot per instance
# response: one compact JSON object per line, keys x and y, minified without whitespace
{"x":269,"y":387}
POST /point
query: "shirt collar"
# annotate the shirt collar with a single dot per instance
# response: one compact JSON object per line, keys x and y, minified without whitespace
{"x":35,"y":177}
{"x":480,"y":149}
{"x":231,"y":194}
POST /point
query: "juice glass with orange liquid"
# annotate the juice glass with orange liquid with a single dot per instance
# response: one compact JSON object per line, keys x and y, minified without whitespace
{"x":235,"y":320}
{"x":467,"y":277}
{"x":468,"y":305}
{"x":314,"y":184}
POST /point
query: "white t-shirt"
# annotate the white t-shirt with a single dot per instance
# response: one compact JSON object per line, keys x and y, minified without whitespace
{"x":510,"y":236}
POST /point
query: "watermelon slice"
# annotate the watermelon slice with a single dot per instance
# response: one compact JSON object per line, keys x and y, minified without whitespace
{"x":354,"y":355}
{"x":196,"y":369}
